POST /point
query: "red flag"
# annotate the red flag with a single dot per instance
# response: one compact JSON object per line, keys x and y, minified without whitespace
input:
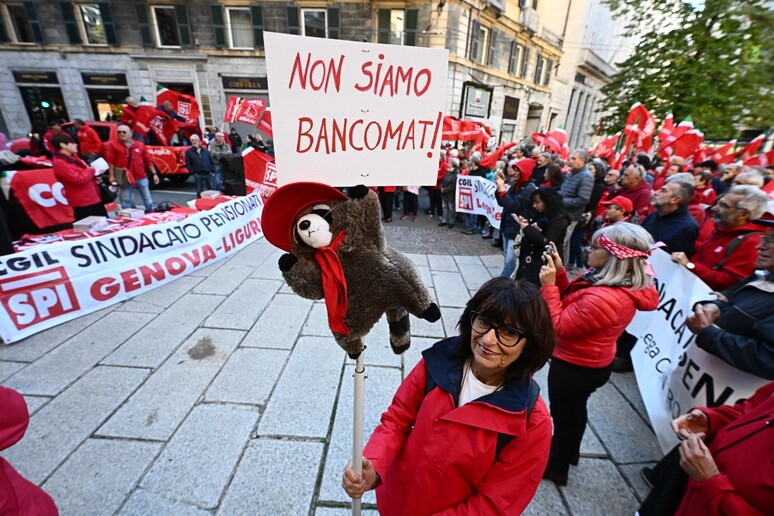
{"x":490,"y":160}
{"x":469,"y":130}
{"x":752,"y":148}
{"x":538,"y":138}
{"x":264,"y":124}
{"x":231,"y":108}
{"x":722,"y":155}
{"x":149,"y":119}
{"x":761,"y":160}
{"x":687,"y":144}
{"x":557,"y":140}
{"x":260,"y":172}
{"x":667,"y":126}
{"x":184,"y":105}
{"x":451,"y":128}
{"x":42,"y":197}
{"x":666,"y":147}
{"x":606,"y":148}
{"x":646,"y":128}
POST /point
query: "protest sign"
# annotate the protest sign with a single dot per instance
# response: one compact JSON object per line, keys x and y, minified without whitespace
{"x":477,"y":195}
{"x":673,"y":373}
{"x":260,"y":172}
{"x":49,"y":284}
{"x":244,"y":110}
{"x":348,"y":113}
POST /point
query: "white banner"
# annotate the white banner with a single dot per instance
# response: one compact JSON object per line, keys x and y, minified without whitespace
{"x":673,"y":373}
{"x":50,"y":284}
{"x":477,"y":195}
{"x":348,"y":113}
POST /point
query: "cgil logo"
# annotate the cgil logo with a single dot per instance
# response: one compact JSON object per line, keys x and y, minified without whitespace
{"x":31,"y":299}
{"x":47,"y":196}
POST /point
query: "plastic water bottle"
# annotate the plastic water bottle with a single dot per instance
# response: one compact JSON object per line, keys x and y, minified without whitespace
{"x":113,"y":187}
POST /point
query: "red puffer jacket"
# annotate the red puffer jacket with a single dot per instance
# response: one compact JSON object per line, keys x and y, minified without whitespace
{"x":437,"y":458}
{"x":80,"y":187}
{"x":743,"y":449}
{"x":737,"y":266}
{"x":588,"y":319}
{"x":18,"y":496}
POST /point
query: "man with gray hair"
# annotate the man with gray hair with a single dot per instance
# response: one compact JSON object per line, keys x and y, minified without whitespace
{"x":576,"y":192}
{"x":728,"y":255}
{"x":635,"y":188}
{"x":199,"y":163}
{"x":671,"y":223}
{"x":219,"y":148}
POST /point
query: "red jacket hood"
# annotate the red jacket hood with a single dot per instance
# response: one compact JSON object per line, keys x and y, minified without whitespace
{"x":14,"y":417}
{"x":525,"y":166}
{"x":645,"y":299}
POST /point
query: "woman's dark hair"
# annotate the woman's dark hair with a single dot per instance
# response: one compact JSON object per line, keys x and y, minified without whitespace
{"x":60,"y":139}
{"x":599,"y":169}
{"x":517,"y":303}
{"x":551,"y":199}
{"x":554,"y":174}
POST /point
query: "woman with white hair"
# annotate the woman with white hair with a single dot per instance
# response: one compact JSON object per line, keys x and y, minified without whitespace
{"x":589,"y":314}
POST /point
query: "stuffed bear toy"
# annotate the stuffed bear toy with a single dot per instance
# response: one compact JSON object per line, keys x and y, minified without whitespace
{"x":337,"y":252}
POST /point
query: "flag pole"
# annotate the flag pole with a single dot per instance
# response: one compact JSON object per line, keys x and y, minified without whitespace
{"x":357,"y":427}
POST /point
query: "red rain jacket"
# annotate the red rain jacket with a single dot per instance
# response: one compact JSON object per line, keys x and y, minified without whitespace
{"x":80,"y":186}
{"x":18,"y":496}
{"x":739,"y":265}
{"x":743,"y":449}
{"x":436,"y":458}
{"x":588,"y":319}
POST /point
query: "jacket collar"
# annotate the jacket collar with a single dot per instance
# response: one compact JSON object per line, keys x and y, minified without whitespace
{"x":445,"y":364}
{"x":70,"y":159}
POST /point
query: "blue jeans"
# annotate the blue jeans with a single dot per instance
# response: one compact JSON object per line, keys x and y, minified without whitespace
{"x":127,"y":194}
{"x":203,"y":183}
{"x":576,"y":247}
{"x":216,"y":181}
{"x":471,"y":222}
{"x":448,"y":210}
{"x":509,"y":266}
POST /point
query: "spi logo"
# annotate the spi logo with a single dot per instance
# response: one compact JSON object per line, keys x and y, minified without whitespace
{"x":270,"y":175}
{"x":466,"y":199}
{"x":30,"y":299}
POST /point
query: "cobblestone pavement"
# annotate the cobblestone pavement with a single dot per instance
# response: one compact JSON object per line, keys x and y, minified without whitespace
{"x":224,"y":393}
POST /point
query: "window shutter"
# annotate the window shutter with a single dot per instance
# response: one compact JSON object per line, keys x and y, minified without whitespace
{"x":333,"y":23}
{"x":144,"y":24}
{"x":183,"y":26}
{"x":111,"y":35}
{"x":491,"y":59}
{"x":538,"y":70}
{"x":256,"y":13}
{"x":523,"y":3}
{"x":32,"y":16}
{"x":383,"y":33}
{"x":525,"y":63}
{"x":411,"y":27}
{"x":534,"y":4}
{"x":513,"y":63}
{"x":549,"y":69}
{"x":71,"y":25}
{"x":3,"y":33}
{"x":218,"y":25}
{"x":294,"y":25}
{"x":475,"y":28}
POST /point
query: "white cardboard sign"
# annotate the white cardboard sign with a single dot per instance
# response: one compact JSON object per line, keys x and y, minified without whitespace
{"x":347,"y":113}
{"x":476,"y":194}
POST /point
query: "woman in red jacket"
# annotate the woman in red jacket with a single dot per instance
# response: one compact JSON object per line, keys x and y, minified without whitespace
{"x":80,"y":184}
{"x":589,"y":315}
{"x":467,"y":432}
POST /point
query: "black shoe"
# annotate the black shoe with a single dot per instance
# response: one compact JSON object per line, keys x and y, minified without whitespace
{"x":497,"y":243}
{"x":622,"y":365}
{"x":451,"y":226}
{"x":556,"y":477}
{"x":441,"y":224}
{"x":487,"y":237}
{"x":647,"y":476}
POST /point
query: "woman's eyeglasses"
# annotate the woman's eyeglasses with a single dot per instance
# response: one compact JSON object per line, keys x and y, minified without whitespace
{"x":506,"y":335}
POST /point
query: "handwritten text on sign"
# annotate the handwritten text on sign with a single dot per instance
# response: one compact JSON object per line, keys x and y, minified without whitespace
{"x":348,"y":113}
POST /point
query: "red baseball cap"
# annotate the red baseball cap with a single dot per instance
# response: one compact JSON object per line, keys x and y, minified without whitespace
{"x":283,"y":206}
{"x":620,"y":201}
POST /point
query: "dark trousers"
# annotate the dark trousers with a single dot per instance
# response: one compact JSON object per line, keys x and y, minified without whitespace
{"x":96,"y":210}
{"x":385,"y":199}
{"x":410,"y":202}
{"x":669,"y":484}
{"x":436,"y":207}
{"x":576,"y":247}
{"x":202,"y":182}
{"x":569,"y":388}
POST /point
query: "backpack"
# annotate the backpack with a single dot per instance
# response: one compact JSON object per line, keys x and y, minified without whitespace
{"x":731,"y":247}
{"x":502,"y":439}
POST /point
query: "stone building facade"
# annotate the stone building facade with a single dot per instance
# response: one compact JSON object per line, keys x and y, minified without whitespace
{"x":79,"y":59}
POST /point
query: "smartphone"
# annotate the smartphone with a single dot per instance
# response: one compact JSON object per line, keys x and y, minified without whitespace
{"x":550,"y":249}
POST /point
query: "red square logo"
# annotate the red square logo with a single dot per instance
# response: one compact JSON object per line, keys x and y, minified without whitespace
{"x":465,"y":198}
{"x":30,"y":299}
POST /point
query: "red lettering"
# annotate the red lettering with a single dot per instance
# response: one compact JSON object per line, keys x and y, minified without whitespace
{"x":130,"y":280}
{"x":317,"y":81}
{"x":304,"y":132}
{"x":323,"y":137}
{"x":351,"y":130}
{"x":339,"y":135}
{"x":390,"y":133}
{"x":240,"y":236}
{"x":365,"y":68}
{"x":104,"y":289}
{"x":371,"y":124}
{"x":254,"y":226}
{"x":208,"y":252}
{"x":175,"y":265}
{"x":301,"y":73}
{"x":428,"y":78}
{"x":193,"y":258}
{"x":152,"y":272}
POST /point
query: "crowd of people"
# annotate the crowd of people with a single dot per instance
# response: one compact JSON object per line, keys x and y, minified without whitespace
{"x":467,"y":425}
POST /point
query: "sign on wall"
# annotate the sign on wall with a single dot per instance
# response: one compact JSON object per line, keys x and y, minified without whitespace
{"x":348,"y":113}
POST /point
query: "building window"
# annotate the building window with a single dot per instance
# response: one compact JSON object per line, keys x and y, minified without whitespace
{"x":515,"y":59}
{"x":525,"y":63}
{"x":91,"y":24}
{"x":398,"y":26}
{"x":313,"y":23}
{"x":549,"y":71}
{"x":240,"y":28}
{"x":165,"y":22}
{"x":479,"y":42}
{"x":19,"y":23}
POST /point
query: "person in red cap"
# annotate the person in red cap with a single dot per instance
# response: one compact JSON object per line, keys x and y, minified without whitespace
{"x":516,"y":202}
{"x":617,"y":209}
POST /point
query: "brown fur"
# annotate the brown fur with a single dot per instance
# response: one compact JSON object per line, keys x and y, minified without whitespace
{"x":379,"y":278}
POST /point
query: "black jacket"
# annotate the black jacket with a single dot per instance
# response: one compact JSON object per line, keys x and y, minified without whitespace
{"x":533,"y":244}
{"x":515,"y":200}
{"x":199,"y":163}
{"x":678,"y":230}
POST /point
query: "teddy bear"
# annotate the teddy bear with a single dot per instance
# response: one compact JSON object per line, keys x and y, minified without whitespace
{"x":336,"y":251}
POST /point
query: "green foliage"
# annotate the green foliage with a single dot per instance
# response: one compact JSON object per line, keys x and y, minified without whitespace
{"x":713,"y":62}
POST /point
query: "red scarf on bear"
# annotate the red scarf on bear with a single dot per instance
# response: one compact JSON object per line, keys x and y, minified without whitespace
{"x":334,"y":284}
